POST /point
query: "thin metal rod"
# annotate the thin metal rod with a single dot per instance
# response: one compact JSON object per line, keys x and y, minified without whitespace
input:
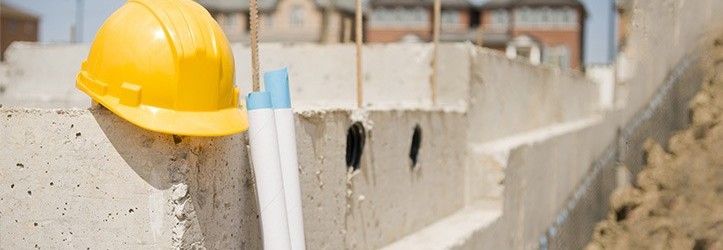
{"x":254,"y":26}
{"x":359,"y":35}
{"x":435,"y":57}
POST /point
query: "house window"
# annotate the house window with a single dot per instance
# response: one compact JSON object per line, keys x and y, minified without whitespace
{"x":556,"y":17}
{"x":557,"y":56}
{"x":569,"y":16}
{"x":522,"y":15}
{"x":523,"y":52}
{"x":450,"y":17}
{"x":565,"y":57}
{"x":535,"y":17}
{"x":386,"y":15}
{"x":399,"y":17}
{"x":419,"y":15}
{"x":546,"y":15}
{"x":230,"y":20}
{"x":297,"y":15}
{"x":499,"y":19}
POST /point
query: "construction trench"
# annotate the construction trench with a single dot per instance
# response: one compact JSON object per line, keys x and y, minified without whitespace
{"x":511,"y":156}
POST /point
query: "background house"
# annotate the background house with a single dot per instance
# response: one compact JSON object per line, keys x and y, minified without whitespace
{"x":411,"y":21}
{"x":327,"y":21}
{"x":16,"y":25}
{"x":545,"y":31}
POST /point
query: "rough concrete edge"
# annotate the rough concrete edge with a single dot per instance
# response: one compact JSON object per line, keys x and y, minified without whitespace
{"x":660,"y":104}
{"x":454,"y":229}
{"x":535,"y":135}
{"x":574,"y":74}
{"x":579,"y":204}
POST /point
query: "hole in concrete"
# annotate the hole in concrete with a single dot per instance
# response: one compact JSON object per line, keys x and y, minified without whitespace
{"x":416,"y":143}
{"x":176,"y":139}
{"x":355,"y":138}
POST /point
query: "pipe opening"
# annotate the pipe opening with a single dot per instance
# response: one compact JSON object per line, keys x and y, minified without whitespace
{"x":416,"y":143}
{"x":355,"y":139}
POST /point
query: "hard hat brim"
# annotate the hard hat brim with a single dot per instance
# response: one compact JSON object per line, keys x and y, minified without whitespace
{"x":213,"y":123}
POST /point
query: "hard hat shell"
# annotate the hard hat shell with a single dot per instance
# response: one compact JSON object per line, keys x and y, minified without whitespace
{"x":166,"y":66}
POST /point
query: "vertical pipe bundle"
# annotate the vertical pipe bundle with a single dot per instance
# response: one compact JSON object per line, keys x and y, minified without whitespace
{"x":267,"y":171}
{"x":277,"y":83}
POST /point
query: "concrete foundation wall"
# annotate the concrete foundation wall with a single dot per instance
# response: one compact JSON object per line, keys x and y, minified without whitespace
{"x":543,"y":177}
{"x":322,"y":76}
{"x":663,"y":34}
{"x":73,"y":177}
{"x":185,"y":192}
{"x":504,"y":153}
{"x":512,"y":96}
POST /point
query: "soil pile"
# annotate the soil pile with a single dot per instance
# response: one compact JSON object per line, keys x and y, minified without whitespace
{"x":677,"y":202}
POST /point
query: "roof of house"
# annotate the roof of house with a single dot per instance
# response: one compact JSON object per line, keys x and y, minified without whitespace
{"x":512,"y":3}
{"x":268,"y":5}
{"x":492,"y":4}
{"x":445,"y":3}
{"x":7,"y":10}
{"x":345,"y":5}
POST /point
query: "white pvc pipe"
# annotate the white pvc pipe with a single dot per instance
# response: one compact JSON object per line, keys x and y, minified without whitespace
{"x":277,"y":83}
{"x":267,"y":170}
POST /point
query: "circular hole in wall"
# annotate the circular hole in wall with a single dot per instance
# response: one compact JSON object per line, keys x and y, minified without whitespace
{"x":355,"y":138}
{"x":416,"y":143}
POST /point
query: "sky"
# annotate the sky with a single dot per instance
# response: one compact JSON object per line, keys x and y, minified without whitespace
{"x":58,"y":16}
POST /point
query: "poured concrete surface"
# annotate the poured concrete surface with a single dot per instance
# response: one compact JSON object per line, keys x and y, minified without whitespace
{"x":76,"y":176}
{"x":321,"y":76}
{"x":183,"y":194}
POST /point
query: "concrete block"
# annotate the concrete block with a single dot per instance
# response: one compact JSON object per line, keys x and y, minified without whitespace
{"x":388,"y":199}
{"x":84,"y":175}
{"x":322,"y":76}
{"x":488,"y":162}
{"x":453,"y":231}
{"x":42,"y":76}
{"x":509,"y":97}
{"x":76,"y":176}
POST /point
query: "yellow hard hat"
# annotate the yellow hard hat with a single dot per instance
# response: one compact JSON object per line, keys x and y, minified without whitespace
{"x":166,"y":66}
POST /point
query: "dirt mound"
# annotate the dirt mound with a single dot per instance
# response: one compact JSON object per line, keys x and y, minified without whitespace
{"x":677,"y":202}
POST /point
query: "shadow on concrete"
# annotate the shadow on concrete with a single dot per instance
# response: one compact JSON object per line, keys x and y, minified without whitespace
{"x":222,"y":212}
